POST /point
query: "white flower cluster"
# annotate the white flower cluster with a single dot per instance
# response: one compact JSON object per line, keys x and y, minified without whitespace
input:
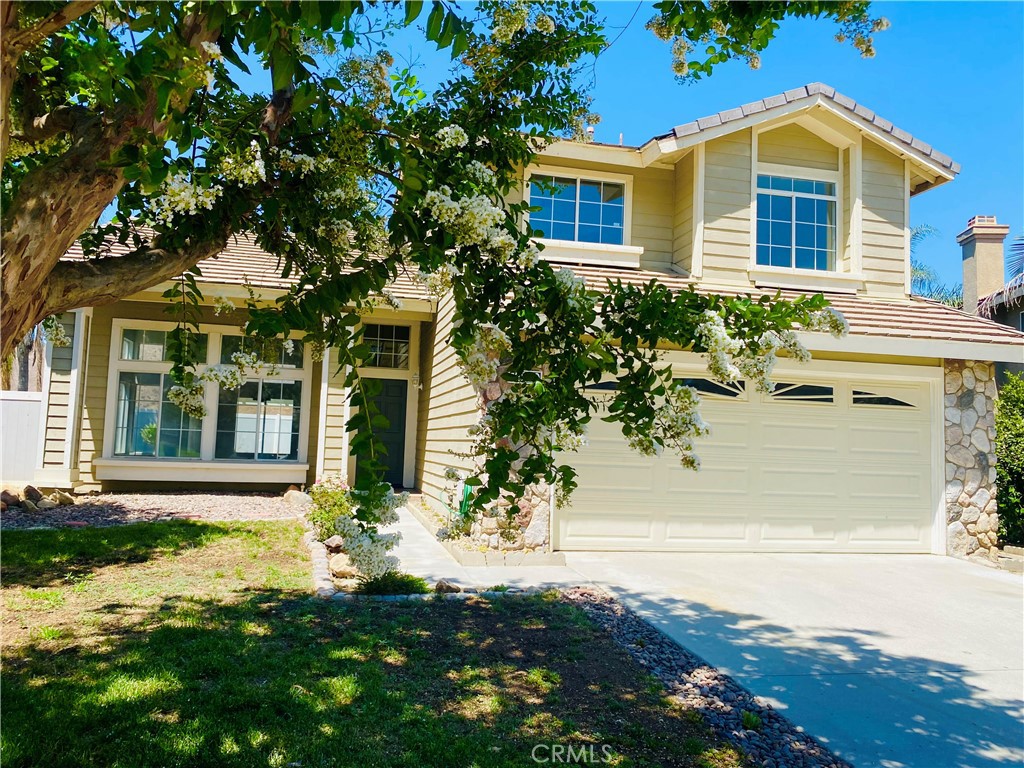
{"x":440,"y":281}
{"x":182,"y":196}
{"x":472,"y":220}
{"x":565,"y":438}
{"x":572,"y":286}
{"x":480,"y":173}
{"x":452,"y":137}
{"x":339,"y":232}
{"x":222,"y":304}
{"x":676,"y":425}
{"x":721,"y":347}
{"x":247,"y":167}
{"x":482,"y":360}
{"x":212,"y":50}
{"x":53,"y":332}
{"x":829,"y":320}
{"x":508,"y":20}
{"x":189,"y":399}
{"x":544,"y":24}
{"x":300,"y":164}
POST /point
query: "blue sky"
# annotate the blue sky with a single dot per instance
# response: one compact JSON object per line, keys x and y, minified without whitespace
{"x":950,"y":73}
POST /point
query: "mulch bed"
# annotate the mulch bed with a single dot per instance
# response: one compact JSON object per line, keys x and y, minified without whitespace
{"x":125,"y":508}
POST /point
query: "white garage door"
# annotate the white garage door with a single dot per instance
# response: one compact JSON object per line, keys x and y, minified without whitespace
{"x":822,"y":465}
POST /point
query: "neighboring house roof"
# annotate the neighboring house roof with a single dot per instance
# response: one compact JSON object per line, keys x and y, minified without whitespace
{"x":243,"y":262}
{"x":915,"y":318}
{"x":818,"y":92}
{"x":1009,"y":295}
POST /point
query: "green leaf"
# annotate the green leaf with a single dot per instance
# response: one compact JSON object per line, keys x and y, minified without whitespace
{"x":412,"y":10}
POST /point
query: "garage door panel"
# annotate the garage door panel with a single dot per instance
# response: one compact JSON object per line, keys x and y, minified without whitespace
{"x":781,"y":476}
{"x":800,"y":438}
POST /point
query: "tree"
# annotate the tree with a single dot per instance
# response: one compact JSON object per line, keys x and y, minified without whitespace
{"x":349,"y":172}
{"x":924,"y":280}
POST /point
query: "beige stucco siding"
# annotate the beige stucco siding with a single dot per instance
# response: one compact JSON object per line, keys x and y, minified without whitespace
{"x":727,"y":204}
{"x":884,"y":228}
{"x":448,"y":408}
{"x":795,"y":145}
{"x":58,"y":398}
{"x":682,"y":219}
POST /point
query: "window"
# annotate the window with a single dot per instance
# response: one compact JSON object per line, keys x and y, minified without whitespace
{"x":862,"y":397}
{"x":728,"y":389}
{"x":151,"y":345}
{"x":147,"y":424}
{"x":796,"y":223}
{"x":579,"y":210}
{"x":285,"y":353}
{"x":266,"y":419}
{"x":259,"y":420}
{"x":389,"y":345}
{"x":806,"y":393}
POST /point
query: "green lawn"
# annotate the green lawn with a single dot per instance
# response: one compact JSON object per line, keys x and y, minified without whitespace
{"x":193,"y":644}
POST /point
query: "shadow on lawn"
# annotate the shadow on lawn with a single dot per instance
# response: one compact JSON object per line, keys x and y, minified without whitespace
{"x":278,"y":678}
{"x":46,"y":557}
{"x":896,"y":711}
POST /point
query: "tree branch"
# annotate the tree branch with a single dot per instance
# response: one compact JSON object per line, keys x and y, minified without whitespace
{"x":93,"y":282}
{"x":21,"y":40}
{"x":63,"y":119}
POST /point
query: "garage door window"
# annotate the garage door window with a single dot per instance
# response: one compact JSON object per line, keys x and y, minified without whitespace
{"x":709,"y":388}
{"x":804,"y":393}
{"x":863,"y":397}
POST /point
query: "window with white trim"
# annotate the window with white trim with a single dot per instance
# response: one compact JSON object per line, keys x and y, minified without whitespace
{"x":264,"y":420}
{"x":577,"y":209}
{"x":389,"y":345}
{"x":796,"y":223}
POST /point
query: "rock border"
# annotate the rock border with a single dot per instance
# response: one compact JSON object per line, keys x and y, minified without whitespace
{"x":701,"y":687}
{"x":488,"y":558}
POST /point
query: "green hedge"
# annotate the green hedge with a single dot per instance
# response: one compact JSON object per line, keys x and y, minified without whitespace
{"x":1010,"y":460}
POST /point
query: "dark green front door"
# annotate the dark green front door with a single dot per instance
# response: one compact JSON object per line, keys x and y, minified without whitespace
{"x":392,"y":400}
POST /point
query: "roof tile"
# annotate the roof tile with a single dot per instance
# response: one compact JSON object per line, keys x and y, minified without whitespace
{"x":795,"y":94}
{"x":686,"y":129}
{"x":709,"y":122}
{"x":753,"y":107}
{"x":774,"y":101}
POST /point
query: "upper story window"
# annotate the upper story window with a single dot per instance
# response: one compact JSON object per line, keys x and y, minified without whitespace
{"x":578,"y":209}
{"x":796,"y":223}
{"x":151,"y":345}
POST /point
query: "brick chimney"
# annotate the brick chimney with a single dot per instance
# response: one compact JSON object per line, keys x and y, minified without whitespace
{"x":984,"y":271}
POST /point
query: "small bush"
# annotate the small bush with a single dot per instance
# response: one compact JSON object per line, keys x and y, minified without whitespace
{"x":393,"y":583}
{"x":331,"y":502}
{"x":751,"y":720}
{"x":1010,"y":460}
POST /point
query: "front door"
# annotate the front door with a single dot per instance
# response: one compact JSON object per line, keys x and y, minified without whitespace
{"x":392,"y":401}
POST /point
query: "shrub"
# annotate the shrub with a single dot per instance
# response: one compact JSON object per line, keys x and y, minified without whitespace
{"x":331,"y":502}
{"x":393,"y":583}
{"x":1010,"y":460}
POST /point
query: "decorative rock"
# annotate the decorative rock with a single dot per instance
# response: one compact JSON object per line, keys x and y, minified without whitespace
{"x":954,"y":434}
{"x":29,"y":506}
{"x":341,"y":567}
{"x":969,"y":421}
{"x":953,"y":490}
{"x":957,"y":538}
{"x":981,"y":498}
{"x":63,"y":497}
{"x":972,"y":482}
{"x":979,"y":439}
{"x":969,"y":515}
{"x":3,"y":506}
{"x":298,"y":498}
{"x":489,"y":525}
{"x":334,"y":544}
{"x":954,"y":381}
{"x":47,"y":504}
{"x":536,"y":534}
{"x":32,"y":493}
{"x":967,"y":377}
{"x":446,"y":587}
{"x":960,"y":456}
{"x":10,"y":499}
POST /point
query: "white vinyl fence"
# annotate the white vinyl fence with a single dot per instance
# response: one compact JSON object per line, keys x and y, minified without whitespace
{"x":20,"y":444}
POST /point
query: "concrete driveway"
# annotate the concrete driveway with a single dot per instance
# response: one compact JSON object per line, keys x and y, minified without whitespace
{"x":890,"y":660}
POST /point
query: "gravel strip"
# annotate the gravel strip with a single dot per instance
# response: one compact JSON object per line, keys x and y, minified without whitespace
{"x":701,"y":687}
{"x":124,"y":508}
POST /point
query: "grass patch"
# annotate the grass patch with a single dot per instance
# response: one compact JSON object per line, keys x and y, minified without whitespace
{"x":201,"y":646}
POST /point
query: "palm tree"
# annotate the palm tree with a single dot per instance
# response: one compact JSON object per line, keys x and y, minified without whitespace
{"x":924,"y":280}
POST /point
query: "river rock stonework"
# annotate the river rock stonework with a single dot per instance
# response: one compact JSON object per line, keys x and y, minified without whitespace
{"x":971,"y":517}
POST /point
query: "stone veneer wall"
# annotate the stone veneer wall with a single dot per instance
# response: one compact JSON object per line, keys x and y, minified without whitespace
{"x":971,"y":516}
{"x":529,"y":528}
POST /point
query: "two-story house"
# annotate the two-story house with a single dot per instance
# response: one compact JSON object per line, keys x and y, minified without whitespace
{"x":883,"y":443}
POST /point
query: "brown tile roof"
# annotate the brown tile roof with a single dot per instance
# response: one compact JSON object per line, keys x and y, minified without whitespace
{"x":1010,"y":295}
{"x":913,"y":318}
{"x":243,"y":262}
{"x":811,"y":92}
